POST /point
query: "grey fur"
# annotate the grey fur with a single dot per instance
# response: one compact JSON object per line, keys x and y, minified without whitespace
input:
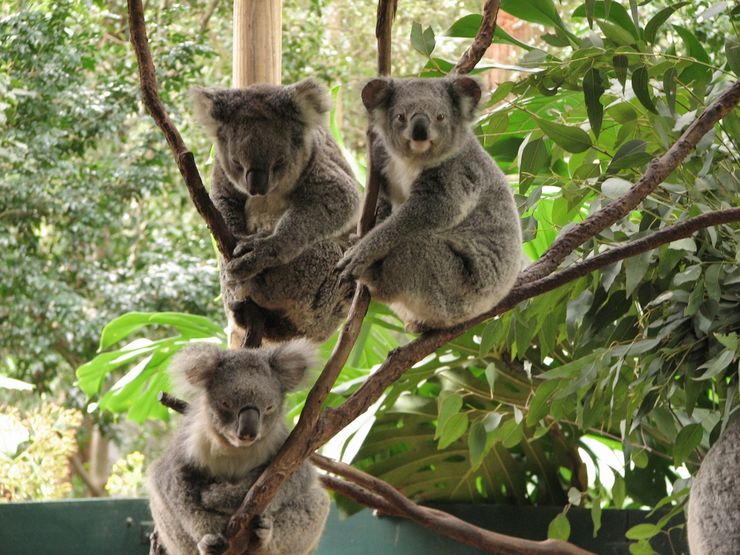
{"x":290,"y":235}
{"x":450,"y":246}
{"x":713,"y":523}
{"x":201,"y":479}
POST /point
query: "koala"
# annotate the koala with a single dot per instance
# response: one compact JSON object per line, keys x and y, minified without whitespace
{"x":713,"y":523}
{"x":288,"y":196}
{"x":448,"y":243}
{"x":230,"y":432}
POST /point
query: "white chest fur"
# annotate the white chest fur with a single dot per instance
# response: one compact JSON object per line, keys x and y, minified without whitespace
{"x":263,"y":213}
{"x":401,"y":176}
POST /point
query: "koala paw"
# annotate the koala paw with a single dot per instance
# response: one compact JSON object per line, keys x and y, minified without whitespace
{"x":353,"y":264}
{"x":250,"y":258}
{"x":212,"y":544}
{"x":246,"y":243}
{"x":262,"y":530}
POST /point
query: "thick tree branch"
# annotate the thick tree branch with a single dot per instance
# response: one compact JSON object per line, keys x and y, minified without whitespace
{"x":183,"y":157}
{"x":380,"y":495}
{"x":482,"y":41}
{"x":399,"y":360}
{"x":383,"y":25}
{"x":657,"y":172}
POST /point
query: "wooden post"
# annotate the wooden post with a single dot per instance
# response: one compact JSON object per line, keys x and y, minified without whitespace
{"x":257,"y":42}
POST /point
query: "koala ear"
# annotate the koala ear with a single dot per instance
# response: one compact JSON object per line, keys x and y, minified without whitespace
{"x":193,"y":367}
{"x":290,"y":361}
{"x":312,"y":100}
{"x":468,"y":91}
{"x":376,"y":92}
{"x":204,"y":100}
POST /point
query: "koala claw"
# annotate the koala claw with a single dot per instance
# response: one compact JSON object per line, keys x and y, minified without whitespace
{"x":212,"y":544}
{"x":246,"y":243}
{"x":246,"y":266}
{"x":262,"y":529}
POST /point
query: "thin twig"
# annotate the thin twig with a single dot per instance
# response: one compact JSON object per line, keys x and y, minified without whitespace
{"x":84,"y":475}
{"x":482,"y":41}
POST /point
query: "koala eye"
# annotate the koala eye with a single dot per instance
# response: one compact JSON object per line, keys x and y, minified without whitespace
{"x":236,"y":163}
{"x":401,"y":118}
{"x":224,"y":404}
{"x":440,"y":117}
{"x":279,"y":165}
{"x":270,"y":409}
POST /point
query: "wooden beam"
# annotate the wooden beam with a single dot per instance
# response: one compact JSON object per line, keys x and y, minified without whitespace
{"x":257,"y":42}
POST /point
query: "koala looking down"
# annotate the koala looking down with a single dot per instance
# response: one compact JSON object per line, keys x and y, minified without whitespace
{"x":448,"y":243}
{"x":288,"y":196}
{"x":713,"y":523}
{"x":232,"y":429}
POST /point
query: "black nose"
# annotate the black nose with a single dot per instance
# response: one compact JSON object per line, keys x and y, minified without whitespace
{"x":248,"y":424}
{"x":420,"y":127}
{"x":256,"y":181}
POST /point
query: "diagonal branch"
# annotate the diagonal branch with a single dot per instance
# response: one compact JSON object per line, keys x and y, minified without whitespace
{"x":183,"y":157}
{"x":380,"y":495}
{"x":482,"y":41}
{"x":399,"y":360}
{"x":657,"y":172}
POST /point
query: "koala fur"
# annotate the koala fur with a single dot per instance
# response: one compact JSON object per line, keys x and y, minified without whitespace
{"x":449,"y":247}
{"x":289,"y":197}
{"x":713,"y":524}
{"x":232,"y":429}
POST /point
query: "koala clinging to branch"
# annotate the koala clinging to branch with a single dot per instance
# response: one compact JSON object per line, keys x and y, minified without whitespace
{"x":232,"y":429}
{"x":288,"y":196}
{"x":449,"y":247}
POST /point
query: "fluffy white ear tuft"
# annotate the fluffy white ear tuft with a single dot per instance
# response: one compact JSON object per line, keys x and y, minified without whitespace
{"x":312,"y":100}
{"x":376,"y":92}
{"x":193,"y":367}
{"x":468,"y":91}
{"x":203,"y":104}
{"x":290,"y":360}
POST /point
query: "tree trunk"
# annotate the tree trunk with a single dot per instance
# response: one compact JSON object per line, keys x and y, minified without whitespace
{"x":257,"y":42}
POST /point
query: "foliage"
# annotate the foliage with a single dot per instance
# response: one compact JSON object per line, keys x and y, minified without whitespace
{"x":34,"y":451}
{"x":127,"y":476}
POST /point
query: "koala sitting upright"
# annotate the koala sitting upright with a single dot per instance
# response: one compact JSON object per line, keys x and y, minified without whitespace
{"x":449,"y":247}
{"x":288,"y":195}
{"x":232,"y":429}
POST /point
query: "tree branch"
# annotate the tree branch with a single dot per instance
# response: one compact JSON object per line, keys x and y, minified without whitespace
{"x":482,"y":41}
{"x":657,"y":172}
{"x":183,"y":157}
{"x":402,"y":358}
{"x":380,"y":495}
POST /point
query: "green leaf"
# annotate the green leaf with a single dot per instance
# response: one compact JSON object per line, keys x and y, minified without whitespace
{"x":589,"y":5}
{"x":716,"y":364}
{"x":693,"y":46}
{"x":658,"y":19}
{"x":534,"y":158}
{"x":188,"y":325}
{"x":488,"y":336}
{"x":615,"y":33}
{"x":466,"y":27}
{"x":502,"y":37}
{"x":596,"y":515}
{"x":90,"y":375}
{"x":711,"y":281}
{"x":635,"y":269}
{"x":422,"y":41}
{"x":572,"y":139}
{"x":491,"y":373}
{"x":592,"y":91}
{"x":642,"y":547}
{"x":537,"y":409}
{"x":559,"y":528}
{"x":477,"y":444}
{"x":640,"y":88}
{"x":448,"y":406}
{"x":629,"y":155}
{"x":643,"y":531}
{"x":615,"y":13}
{"x":732,"y":51}
{"x":669,"y":88}
{"x":615,"y":187}
{"x":500,"y":93}
{"x":543,"y":12}
{"x":621,"y":65}
{"x":687,"y":440}
{"x":453,"y":430}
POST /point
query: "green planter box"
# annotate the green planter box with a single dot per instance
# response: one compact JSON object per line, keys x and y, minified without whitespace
{"x":120,"y":527}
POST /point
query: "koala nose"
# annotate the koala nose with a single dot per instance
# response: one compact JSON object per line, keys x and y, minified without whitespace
{"x":420,"y":127}
{"x":257,"y":181}
{"x":248,"y":423}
